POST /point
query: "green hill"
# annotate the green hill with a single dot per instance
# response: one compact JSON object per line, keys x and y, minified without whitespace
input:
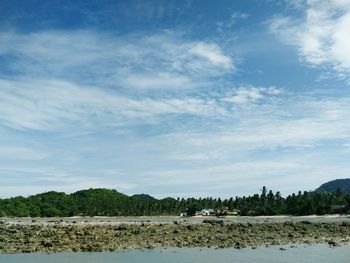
{"x":142,"y":197}
{"x":332,"y":186}
{"x":99,"y":202}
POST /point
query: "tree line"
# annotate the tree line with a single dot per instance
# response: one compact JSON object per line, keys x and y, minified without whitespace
{"x":105,"y":202}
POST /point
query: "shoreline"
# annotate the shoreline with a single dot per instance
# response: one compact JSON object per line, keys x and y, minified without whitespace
{"x":26,"y":235}
{"x":100,"y":220}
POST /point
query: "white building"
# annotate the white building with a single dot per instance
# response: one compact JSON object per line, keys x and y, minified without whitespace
{"x":205,"y":212}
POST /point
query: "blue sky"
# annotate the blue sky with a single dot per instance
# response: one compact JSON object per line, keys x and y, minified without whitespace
{"x":173,"y":98}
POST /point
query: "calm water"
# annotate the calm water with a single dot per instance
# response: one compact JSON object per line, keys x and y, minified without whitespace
{"x":310,"y":254}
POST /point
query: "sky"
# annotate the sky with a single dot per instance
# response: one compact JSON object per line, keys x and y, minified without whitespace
{"x":180,"y":98}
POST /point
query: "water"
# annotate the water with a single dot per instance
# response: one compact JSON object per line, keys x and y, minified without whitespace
{"x":310,"y":254}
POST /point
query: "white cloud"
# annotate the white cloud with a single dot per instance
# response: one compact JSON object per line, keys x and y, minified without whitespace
{"x":164,"y":60}
{"x":269,"y":121}
{"x":243,"y":178}
{"x":250,"y":94}
{"x":54,"y":104}
{"x":321,"y":35}
{"x":158,"y":91}
{"x":21,"y":153}
{"x":227,"y":25}
{"x":275,"y":125}
{"x":276,"y":143}
{"x":212,"y":54}
{"x":26,"y":180}
{"x":59,"y":78}
{"x":157,"y":81}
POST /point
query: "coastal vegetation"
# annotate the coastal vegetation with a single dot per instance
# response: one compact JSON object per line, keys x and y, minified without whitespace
{"x":105,"y":202}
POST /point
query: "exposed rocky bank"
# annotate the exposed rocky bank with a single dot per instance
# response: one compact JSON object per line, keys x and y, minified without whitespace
{"x":63,"y":236}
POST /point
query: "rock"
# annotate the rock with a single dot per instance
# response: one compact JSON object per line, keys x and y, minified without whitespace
{"x":231,"y":227}
{"x":213,"y":233}
{"x":191,"y":227}
{"x":121,"y":227}
{"x":237,"y":245}
{"x":46,"y":243}
{"x":345,"y":224}
{"x":136,"y":231}
{"x":333,"y":243}
{"x":306,"y":222}
{"x":213,"y":222}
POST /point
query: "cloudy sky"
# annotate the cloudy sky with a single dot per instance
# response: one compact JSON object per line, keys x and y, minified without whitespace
{"x":173,"y":98}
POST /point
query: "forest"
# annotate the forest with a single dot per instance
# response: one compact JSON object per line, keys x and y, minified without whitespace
{"x":106,"y":202}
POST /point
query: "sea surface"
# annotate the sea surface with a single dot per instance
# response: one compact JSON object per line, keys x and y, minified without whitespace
{"x":301,"y":253}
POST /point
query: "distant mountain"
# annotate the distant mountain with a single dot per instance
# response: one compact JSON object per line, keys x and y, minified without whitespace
{"x":142,"y":197}
{"x":332,"y":186}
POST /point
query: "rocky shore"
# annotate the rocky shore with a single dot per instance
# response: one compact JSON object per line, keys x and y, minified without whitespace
{"x":72,"y":236}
